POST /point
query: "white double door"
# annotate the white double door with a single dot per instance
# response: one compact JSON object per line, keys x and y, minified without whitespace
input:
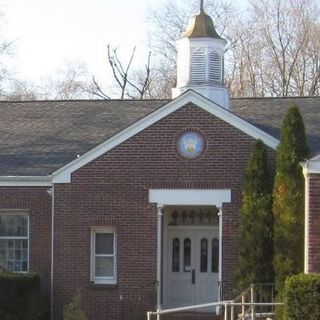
{"x":191,"y":271}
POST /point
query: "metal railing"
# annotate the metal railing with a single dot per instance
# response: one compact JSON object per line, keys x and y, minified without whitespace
{"x":242,"y":307}
{"x":261,"y":293}
{"x":228,"y":306}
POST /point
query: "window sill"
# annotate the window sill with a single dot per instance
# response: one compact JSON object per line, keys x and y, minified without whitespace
{"x":95,"y":285}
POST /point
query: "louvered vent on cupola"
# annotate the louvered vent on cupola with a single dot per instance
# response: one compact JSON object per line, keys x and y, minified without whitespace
{"x":205,"y":68}
{"x":198,"y":65}
{"x":215,"y":68}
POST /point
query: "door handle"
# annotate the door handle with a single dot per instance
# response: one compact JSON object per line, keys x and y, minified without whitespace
{"x":193,"y":276}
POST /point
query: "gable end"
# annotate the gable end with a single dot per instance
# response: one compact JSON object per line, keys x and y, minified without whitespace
{"x":63,"y":175}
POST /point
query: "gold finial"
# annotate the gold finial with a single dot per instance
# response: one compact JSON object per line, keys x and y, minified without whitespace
{"x":201,"y":26}
{"x":201,"y":6}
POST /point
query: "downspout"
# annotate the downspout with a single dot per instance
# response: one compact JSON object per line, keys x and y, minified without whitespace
{"x":159,"y":255}
{"x":306,"y":218}
{"x":52,"y":254}
{"x":220,"y":255}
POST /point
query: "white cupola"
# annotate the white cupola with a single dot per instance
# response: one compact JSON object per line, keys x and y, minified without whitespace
{"x":200,"y":62}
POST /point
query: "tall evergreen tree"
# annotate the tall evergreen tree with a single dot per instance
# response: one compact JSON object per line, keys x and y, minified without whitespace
{"x":256,"y":223}
{"x":288,"y":195}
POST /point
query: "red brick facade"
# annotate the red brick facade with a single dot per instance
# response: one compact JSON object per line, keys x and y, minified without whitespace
{"x":113,"y":190}
{"x":314,"y":223}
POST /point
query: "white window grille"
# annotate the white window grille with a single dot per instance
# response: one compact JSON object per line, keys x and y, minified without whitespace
{"x":103,"y":256}
{"x":14,"y":241}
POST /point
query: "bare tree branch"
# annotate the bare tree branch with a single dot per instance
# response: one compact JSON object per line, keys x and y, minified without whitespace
{"x":98,"y":91}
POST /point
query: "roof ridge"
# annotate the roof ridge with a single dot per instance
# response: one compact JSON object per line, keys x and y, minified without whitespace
{"x":141,"y":100}
{"x":79,"y":100}
{"x":275,"y":98}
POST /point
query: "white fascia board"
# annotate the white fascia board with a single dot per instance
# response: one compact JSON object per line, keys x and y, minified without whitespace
{"x":63,"y":175}
{"x":311,"y":166}
{"x":25,"y":181}
{"x":195,"y":197}
{"x":238,"y":123}
{"x":315,"y":158}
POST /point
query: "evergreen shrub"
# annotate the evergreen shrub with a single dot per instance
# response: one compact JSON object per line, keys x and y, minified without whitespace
{"x":302,"y":297}
{"x":19,"y":296}
{"x":256,"y":222}
{"x":288,"y":198}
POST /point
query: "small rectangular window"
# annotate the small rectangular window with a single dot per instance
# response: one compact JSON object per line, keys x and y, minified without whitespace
{"x":103,"y":256}
{"x":14,"y":241}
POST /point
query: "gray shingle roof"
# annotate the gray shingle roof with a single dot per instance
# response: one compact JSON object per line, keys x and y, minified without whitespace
{"x":38,"y":137}
{"x":268,"y":113}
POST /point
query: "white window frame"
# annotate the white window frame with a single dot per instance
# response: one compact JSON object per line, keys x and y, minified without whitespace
{"x":103,"y":280}
{"x":25,"y":214}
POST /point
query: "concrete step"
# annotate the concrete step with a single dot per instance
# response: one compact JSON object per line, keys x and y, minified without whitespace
{"x":191,"y":316}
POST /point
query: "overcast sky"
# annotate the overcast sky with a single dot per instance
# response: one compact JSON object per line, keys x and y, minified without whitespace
{"x":48,"y":33}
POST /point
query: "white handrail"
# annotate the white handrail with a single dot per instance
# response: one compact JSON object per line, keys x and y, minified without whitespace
{"x":195,"y":306}
{"x":212,"y":304}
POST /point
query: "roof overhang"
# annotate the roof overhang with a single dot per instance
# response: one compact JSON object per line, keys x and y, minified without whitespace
{"x":63,"y":175}
{"x":25,"y":181}
{"x":311,"y":166}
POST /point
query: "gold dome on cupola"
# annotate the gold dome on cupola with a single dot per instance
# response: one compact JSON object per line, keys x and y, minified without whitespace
{"x":201,"y":26}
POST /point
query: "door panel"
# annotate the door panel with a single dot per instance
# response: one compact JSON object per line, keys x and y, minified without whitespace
{"x":197,"y":257}
{"x":180,"y":290}
{"x":207,"y":281}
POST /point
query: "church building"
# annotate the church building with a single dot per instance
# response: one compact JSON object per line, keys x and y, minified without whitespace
{"x":134,"y":205}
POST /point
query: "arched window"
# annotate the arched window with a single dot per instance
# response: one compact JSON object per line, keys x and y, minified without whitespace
{"x":175,"y":255}
{"x":215,"y":256}
{"x":187,"y":255}
{"x":204,"y":255}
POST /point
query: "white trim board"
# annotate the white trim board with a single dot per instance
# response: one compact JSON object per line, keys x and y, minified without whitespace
{"x":315,"y":158}
{"x":63,"y":175}
{"x":25,"y":181}
{"x":311,"y":166}
{"x":211,"y":197}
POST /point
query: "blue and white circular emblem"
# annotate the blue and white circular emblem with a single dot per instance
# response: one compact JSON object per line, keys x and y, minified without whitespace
{"x":190,"y":144}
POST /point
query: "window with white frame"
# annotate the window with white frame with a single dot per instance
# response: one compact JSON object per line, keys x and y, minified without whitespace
{"x":103,"y":256}
{"x":14,"y":241}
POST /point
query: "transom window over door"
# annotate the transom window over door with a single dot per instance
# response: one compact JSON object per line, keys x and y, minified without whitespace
{"x":14,"y":241}
{"x":103,"y":257}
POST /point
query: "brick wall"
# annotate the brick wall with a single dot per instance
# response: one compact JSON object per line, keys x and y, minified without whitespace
{"x":37,"y":202}
{"x":314,"y":223}
{"x":113,"y":190}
